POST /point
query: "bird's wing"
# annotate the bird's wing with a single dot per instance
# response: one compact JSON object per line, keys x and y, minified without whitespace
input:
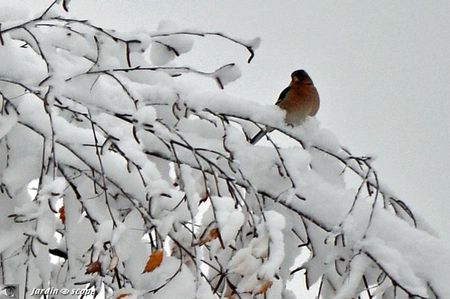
{"x":283,"y":95}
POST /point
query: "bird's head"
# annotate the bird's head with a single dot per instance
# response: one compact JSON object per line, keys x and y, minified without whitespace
{"x":300,"y":76}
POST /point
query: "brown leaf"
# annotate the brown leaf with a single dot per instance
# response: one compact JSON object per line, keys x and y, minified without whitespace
{"x":229,"y":294}
{"x":94,"y":267}
{"x":113,"y":263}
{"x":123,"y":295}
{"x":154,"y":260}
{"x":62,"y":215}
{"x":213,"y":234}
{"x":203,"y":197}
{"x":264,"y":287}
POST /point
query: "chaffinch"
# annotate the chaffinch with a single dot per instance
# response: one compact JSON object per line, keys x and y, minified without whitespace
{"x":300,"y":100}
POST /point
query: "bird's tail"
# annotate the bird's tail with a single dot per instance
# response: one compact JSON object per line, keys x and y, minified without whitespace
{"x":258,"y":136}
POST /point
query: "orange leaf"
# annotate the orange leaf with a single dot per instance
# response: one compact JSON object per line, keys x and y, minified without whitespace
{"x":113,"y":263}
{"x":154,"y":261}
{"x":264,"y":287}
{"x":213,"y":234}
{"x":229,"y":294}
{"x":204,"y":197}
{"x":94,"y":267}
{"x":62,"y":215}
{"x":123,"y":295}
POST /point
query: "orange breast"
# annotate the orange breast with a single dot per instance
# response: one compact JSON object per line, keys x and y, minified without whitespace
{"x":301,"y":101}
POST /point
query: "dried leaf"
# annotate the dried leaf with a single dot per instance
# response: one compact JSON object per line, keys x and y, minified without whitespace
{"x":154,"y":261}
{"x":264,"y":287}
{"x":62,"y":215}
{"x":123,"y":295}
{"x":204,"y":197}
{"x":113,"y":263}
{"x":94,"y":267}
{"x":229,"y":294}
{"x":213,"y":234}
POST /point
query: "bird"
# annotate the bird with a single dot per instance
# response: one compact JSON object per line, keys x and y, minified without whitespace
{"x":300,"y":100}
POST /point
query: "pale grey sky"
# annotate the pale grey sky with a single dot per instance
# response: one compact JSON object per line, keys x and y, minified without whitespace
{"x":382,"y":69}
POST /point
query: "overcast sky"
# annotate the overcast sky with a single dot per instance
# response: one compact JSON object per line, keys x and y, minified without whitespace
{"x":382,"y":69}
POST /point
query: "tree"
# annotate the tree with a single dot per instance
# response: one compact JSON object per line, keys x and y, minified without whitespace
{"x":148,"y":189}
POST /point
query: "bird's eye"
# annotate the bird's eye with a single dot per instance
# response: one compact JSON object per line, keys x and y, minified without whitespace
{"x":295,"y":79}
{"x":8,"y":291}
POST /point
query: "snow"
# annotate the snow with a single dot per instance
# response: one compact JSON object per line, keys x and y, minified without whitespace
{"x":117,"y":233}
{"x":398,"y":271}
{"x":221,"y":102}
{"x":45,"y":228}
{"x":19,"y":64}
{"x":229,"y":219}
{"x":254,"y":43}
{"x":8,"y":237}
{"x":172,"y":273}
{"x":191,"y":188}
{"x":243,"y":262}
{"x":275,"y":225}
{"x":53,"y":187}
{"x":358,"y":266}
{"x":7,"y":122}
{"x":204,"y":291}
{"x":168,"y":46}
{"x":227,"y":74}
{"x":145,"y":116}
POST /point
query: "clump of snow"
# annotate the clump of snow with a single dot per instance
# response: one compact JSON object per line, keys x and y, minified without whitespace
{"x":398,"y":271}
{"x":244,"y":262}
{"x":229,"y":219}
{"x":275,"y":225}
{"x":358,"y":266}
{"x":254,"y":43}
{"x":226,"y":74}
{"x":45,"y":227}
{"x":7,"y":122}
{"x":145,"y":116}
{"x":117,"y":233}
{"x":167,"y":45}
{"x":20,"y":64}
{"x":53,"y":187}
